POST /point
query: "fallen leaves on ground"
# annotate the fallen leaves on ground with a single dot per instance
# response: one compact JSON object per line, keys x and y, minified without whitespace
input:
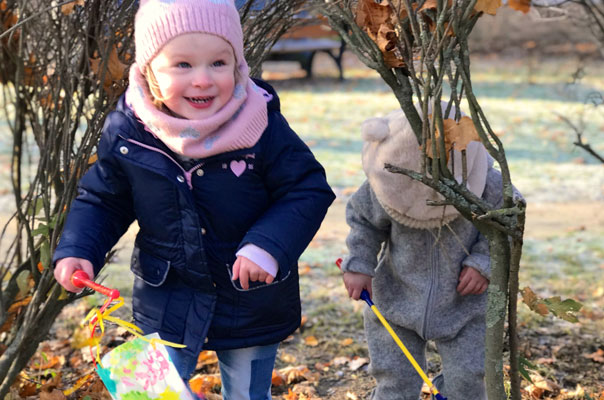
{"x":597,"y":356}
{"x":311,"y":341}
{"x":568,"y":359}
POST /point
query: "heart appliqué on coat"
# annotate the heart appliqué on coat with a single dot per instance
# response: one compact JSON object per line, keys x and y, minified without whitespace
{"x":238,"y":167}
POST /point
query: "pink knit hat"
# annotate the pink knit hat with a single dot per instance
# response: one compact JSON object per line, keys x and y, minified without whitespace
{"x":159,"y":21}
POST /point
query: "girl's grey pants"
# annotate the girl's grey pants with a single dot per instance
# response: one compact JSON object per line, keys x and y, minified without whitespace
{"x":462,"y":361}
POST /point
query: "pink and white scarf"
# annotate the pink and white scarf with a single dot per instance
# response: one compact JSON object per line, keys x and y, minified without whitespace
{"x":239,"y":124}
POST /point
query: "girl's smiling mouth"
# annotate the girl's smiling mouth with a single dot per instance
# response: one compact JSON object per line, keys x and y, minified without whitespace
{"x":200,"y":102}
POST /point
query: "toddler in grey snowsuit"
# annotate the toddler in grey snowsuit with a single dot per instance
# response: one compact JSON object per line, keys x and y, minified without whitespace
{"x":426,"y":267}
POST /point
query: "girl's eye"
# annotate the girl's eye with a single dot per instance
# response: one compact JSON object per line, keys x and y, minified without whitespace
{"x":218,"y":63}
{"x":183,"y":65}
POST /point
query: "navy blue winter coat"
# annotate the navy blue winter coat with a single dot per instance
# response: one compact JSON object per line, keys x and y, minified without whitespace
{"x":185,"y":249}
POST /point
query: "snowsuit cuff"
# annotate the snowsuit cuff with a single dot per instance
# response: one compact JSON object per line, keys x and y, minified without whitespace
{"x":480,"y":262}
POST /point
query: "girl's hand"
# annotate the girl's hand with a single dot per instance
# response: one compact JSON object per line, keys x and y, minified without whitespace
{"x":246,"y":270}
{"x":65,"y":267}
{"x":355,"y":282}
{"x":471,"y":282}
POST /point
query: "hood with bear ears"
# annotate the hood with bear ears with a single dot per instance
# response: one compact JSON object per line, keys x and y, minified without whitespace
{"x":391,"y":140}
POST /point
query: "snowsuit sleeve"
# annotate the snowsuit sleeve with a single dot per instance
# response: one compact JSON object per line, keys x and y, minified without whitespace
{"x":479,"y":258}
{"x":369,"y":228}
{"x":103,"y":210}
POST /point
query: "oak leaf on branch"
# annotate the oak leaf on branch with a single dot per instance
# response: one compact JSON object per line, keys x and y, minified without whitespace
{"x":520,"y":5}
{"x":378,"y":21}
{"x":488,"y":6}
{"x":371,"y":15}
{"x":457,"y":135}
{"x":69,"y":7}
{"x":115,"y":70}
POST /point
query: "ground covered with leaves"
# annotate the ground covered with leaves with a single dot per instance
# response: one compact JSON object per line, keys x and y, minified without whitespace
{"x":327,"y":357}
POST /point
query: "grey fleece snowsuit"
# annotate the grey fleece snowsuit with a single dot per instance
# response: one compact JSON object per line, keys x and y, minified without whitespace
{"x":415,"y":274}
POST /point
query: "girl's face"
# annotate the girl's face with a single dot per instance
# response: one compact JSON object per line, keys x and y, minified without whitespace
{"x":195,"y":74}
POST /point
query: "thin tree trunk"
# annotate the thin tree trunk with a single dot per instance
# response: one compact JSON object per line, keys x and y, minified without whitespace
{"x":513,"y":319}
{"x":496,"y":311}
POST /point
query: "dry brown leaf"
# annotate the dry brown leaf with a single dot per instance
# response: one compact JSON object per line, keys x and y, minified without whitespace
{"x":46,"y":101}
{"x":206,"y":358}
{"x":287,"y":358}
{"x":277,"y":379}
{"x":304,"y":270}
{"x":357,"y":362}
{"x":26,"y":386}
{"x":461,"y":133}
{"x":296,"y":374}
{"x":68,"y":8}
{"x":544,"y":384}
{"x":19,"y":304}
{"x":203,"y":384}
{"x":377,"y":21}
{"x":392,"y":60}
{"x":338,"y":361}
{"x":92,"y":159}
{"x":97,"y":390}
{"x":346,"y":342}
{"x":9,"y":19}
{"x":520,"y":5}
{"x":597,"y":356}
{"x":541,"y":309}
{"x":371,"y":14}
{"x":49,"y":390}
{"x":386,"y":38}
{"x":488,"y":6}
{"x":311,"y":341}
{"x":351,"y":396}
{"x":429,"y":4}
{"x":457,"y":135}
{"x":322,"y":366}
{"x":51,"y":362}
{"x":578,"y":392}
{"x":115,"y":69}
{"x":533,"y":302}
{"x":55,"y":394}
{"x":290,"y":395}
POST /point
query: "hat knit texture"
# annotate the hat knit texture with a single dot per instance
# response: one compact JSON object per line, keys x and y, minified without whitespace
{"x":159,"y":21}
{"x":391,"y":140}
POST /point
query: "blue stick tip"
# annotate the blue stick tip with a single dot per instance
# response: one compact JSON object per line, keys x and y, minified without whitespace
{"x":440,"y":397}
{"x":365,"y":296}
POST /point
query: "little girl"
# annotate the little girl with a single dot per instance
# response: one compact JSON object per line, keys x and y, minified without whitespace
{"x":226,"y":195}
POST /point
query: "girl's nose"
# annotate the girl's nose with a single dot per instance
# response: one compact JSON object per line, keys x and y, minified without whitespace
{"x":202,"y":79}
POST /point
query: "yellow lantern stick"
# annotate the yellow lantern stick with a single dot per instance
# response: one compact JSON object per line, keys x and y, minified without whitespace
{"x":365,"y":296}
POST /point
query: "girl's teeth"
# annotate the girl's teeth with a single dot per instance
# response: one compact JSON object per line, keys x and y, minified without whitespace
{"x":199,"y":100}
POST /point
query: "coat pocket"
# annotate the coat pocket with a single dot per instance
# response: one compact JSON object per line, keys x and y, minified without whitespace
{"x":149,"y":295}
{"x":151,"y":269}
{"x":255,"y":285}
